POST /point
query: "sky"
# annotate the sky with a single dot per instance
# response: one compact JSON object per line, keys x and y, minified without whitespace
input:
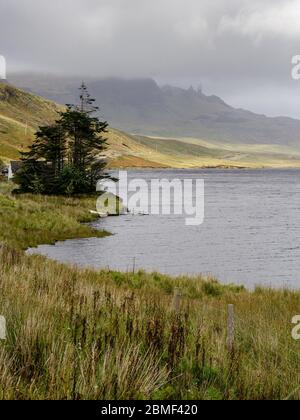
{"x":240,"y":50}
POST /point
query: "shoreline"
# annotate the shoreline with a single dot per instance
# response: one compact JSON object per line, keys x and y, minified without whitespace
{"x":229,"y":167}
{"x":78,"y":333}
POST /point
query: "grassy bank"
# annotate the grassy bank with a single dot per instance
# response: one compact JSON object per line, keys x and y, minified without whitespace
{"x":28,"y":220}
{"x":75,"y":333}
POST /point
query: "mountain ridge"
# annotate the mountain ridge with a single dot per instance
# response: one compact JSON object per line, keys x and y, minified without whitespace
{"x":141,"y":106}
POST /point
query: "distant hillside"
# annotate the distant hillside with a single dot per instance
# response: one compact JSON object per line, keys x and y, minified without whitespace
{"x":21,"y":113}
{"x":142,"y":107}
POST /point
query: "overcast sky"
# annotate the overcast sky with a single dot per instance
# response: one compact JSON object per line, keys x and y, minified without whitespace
{"x":238,"y":49}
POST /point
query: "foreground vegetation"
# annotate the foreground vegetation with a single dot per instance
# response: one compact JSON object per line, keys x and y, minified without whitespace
{"x":77,"y":333}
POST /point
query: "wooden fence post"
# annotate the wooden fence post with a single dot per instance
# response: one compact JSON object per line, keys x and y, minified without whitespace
{"x":230,"y":328}
{"x":176,"y":300}
{"x":2,"y":328}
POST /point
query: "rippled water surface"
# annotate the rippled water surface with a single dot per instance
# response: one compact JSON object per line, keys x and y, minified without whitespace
{"x":251,"y":232}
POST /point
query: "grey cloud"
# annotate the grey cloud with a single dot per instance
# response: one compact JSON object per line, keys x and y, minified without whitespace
{"x":235,"y":48}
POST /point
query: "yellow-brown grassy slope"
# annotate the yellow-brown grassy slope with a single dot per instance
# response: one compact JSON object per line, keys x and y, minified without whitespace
{"x":84,"y":334}
{"x":198,"y":153}
{"x":20,"y":116}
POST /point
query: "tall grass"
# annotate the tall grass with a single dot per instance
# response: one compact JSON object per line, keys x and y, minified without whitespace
{"x":82,"y":334}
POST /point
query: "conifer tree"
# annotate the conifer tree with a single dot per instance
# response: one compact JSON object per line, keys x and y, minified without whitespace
{"x":66,"y":157}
